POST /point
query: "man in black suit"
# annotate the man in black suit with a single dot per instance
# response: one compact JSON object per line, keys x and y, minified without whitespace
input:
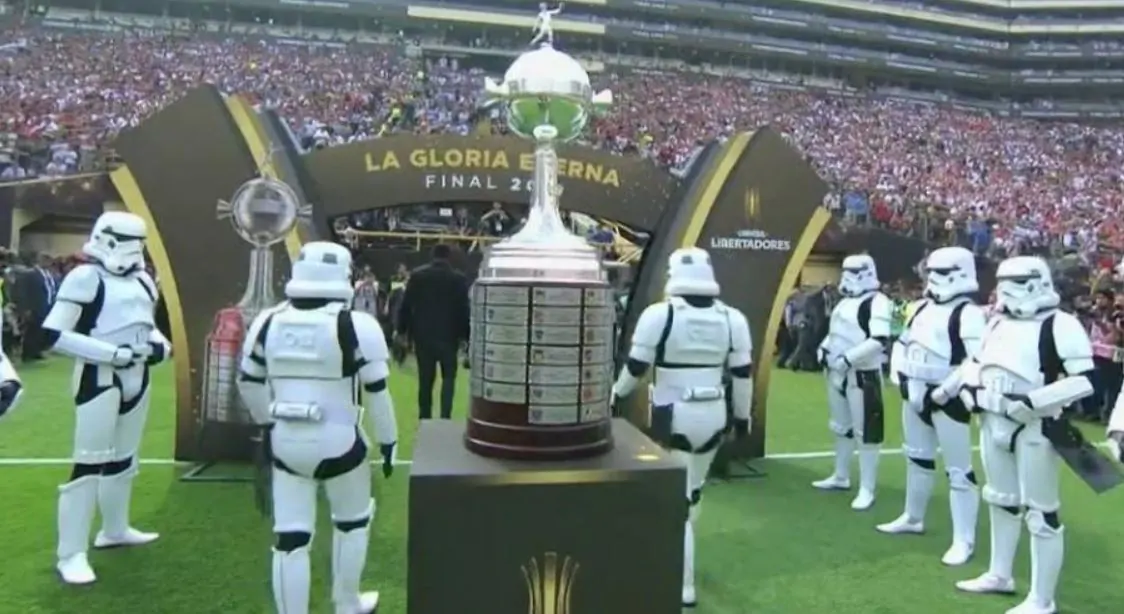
{"x":433,"y":315}
{"x":36,"y":286}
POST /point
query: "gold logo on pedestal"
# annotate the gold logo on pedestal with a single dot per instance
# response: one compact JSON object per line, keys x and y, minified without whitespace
{"x":550,"y":582}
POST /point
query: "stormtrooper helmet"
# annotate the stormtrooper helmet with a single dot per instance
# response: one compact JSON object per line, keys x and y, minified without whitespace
{"x":117,"y":242}
{"x":1024,"y":287}
{"x":950,"y":272}
{"x":860,"y":276}
{"x":689,"y":273}
{"x":321,"y":271}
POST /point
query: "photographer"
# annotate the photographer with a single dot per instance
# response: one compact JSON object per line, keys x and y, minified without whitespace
{"x":1106,"y":329}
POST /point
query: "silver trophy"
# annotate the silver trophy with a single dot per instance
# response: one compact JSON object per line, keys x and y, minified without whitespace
{"x":543,"y":316}
{"x":263,"y":212}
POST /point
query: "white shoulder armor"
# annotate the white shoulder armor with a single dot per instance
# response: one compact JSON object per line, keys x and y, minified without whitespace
{"x":649,"y":329}
{"x":881,"y":315}
{"x":741,"y":339}
{"x":373,"y":354}
{"x":80,"y":285}
{"x":149,"y":284}
{"x":253,"y":350}
{"x":973,"y":327}
{"x":1073,"y":344}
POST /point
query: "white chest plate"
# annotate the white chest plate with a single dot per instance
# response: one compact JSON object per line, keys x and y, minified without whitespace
{"x":928,"y":353}
{"x":1008,"y":357}
{"x":844,"y":331}
{"x":128,"y":311}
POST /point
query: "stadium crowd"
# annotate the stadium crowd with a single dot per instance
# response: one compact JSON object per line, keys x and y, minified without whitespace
{"x":998,"y":181}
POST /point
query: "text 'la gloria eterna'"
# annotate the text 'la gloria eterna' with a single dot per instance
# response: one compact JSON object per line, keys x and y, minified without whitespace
{"x":488,"y":159}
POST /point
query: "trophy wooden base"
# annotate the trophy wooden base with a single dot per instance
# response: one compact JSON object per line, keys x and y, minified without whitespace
{"x":487,"y":436}
{"x":596,"y":535}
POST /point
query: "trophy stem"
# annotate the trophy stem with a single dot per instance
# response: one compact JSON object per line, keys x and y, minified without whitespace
{"x":259,"y":286}
{"x":544,"y":219}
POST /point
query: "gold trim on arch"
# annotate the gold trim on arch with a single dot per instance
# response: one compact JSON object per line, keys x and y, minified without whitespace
{"x":714,"y":183}
{"x":254,"y":135}
{"x":136,"y":204}
{"x":800,"y":252}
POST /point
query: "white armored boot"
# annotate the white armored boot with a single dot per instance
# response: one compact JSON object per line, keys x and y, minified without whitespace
{"x":1005,"y":531}
{"x":1047,"y":549}
{"x":841,"y":478}
{"x":918,"y":490}
{"x":349,"y":556}
{"x":292,"y":579}
{"x":689,"y":598}
{"x":964,"y":503}
{"x":114,"y":494}
{"x":77,"y":503}
{"x":869,"y":456}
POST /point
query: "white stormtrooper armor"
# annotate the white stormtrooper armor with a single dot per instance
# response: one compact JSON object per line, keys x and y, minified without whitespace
{"x":944,"y":331}
{"x":312,"y":353}
{"x":1034,"y":361}
{"x":11,"y":388}
{"x":544,"y":32}
{"x":852,"y":355}
{"x":694,"y":341}
{"x":103,"y":317}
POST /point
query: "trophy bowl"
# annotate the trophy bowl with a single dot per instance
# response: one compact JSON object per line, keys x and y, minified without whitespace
{"x":264,"y":210}
{"x":546,"y":87}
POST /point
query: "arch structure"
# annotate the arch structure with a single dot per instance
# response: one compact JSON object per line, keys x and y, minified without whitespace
{"x":752,"y":201}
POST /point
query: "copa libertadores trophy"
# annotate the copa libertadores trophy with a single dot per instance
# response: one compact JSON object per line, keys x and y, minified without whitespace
{"x":542,"y":306}
{"x":262,"y":211}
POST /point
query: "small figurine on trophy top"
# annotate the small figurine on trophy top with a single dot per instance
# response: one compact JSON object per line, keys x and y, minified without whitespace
{"x":544,"y":33}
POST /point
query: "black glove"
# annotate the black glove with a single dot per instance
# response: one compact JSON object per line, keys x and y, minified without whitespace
{"x":156,"y":356}
{"x":9,"y":392}
{"x":387,"y":451}
{"x":741,"y":428}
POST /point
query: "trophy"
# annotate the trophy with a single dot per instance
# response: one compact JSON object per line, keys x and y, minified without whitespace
{"x":543,"y":313}
{"x":263,"y":211}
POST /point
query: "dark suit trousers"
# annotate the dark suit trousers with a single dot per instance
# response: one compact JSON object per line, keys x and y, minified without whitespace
{"x":34,"y":340}
{"x":428,"y":359}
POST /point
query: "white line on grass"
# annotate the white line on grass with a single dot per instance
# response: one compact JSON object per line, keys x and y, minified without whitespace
{"x":32,"y":462}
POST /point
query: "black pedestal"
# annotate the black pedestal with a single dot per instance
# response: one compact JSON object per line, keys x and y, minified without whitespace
{"x":594,"y":536}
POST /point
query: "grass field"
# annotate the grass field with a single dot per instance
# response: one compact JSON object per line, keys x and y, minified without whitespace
{"x":772,"y":546}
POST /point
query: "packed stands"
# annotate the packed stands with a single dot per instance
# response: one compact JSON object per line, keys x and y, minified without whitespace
{"x":1005,"y":182}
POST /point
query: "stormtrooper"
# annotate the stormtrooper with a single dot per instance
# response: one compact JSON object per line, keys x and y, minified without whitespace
{"x":852,"y":355}
{"x":693,"y":341}
{"x":946,"y":327}
{"x":544,"y":32}
{"x":1034,"y":361}
{"x":302,"y":365}
{"x":103,"y":317}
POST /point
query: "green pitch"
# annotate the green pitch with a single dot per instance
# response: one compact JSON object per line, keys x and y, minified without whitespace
{"x":772,"y":546}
